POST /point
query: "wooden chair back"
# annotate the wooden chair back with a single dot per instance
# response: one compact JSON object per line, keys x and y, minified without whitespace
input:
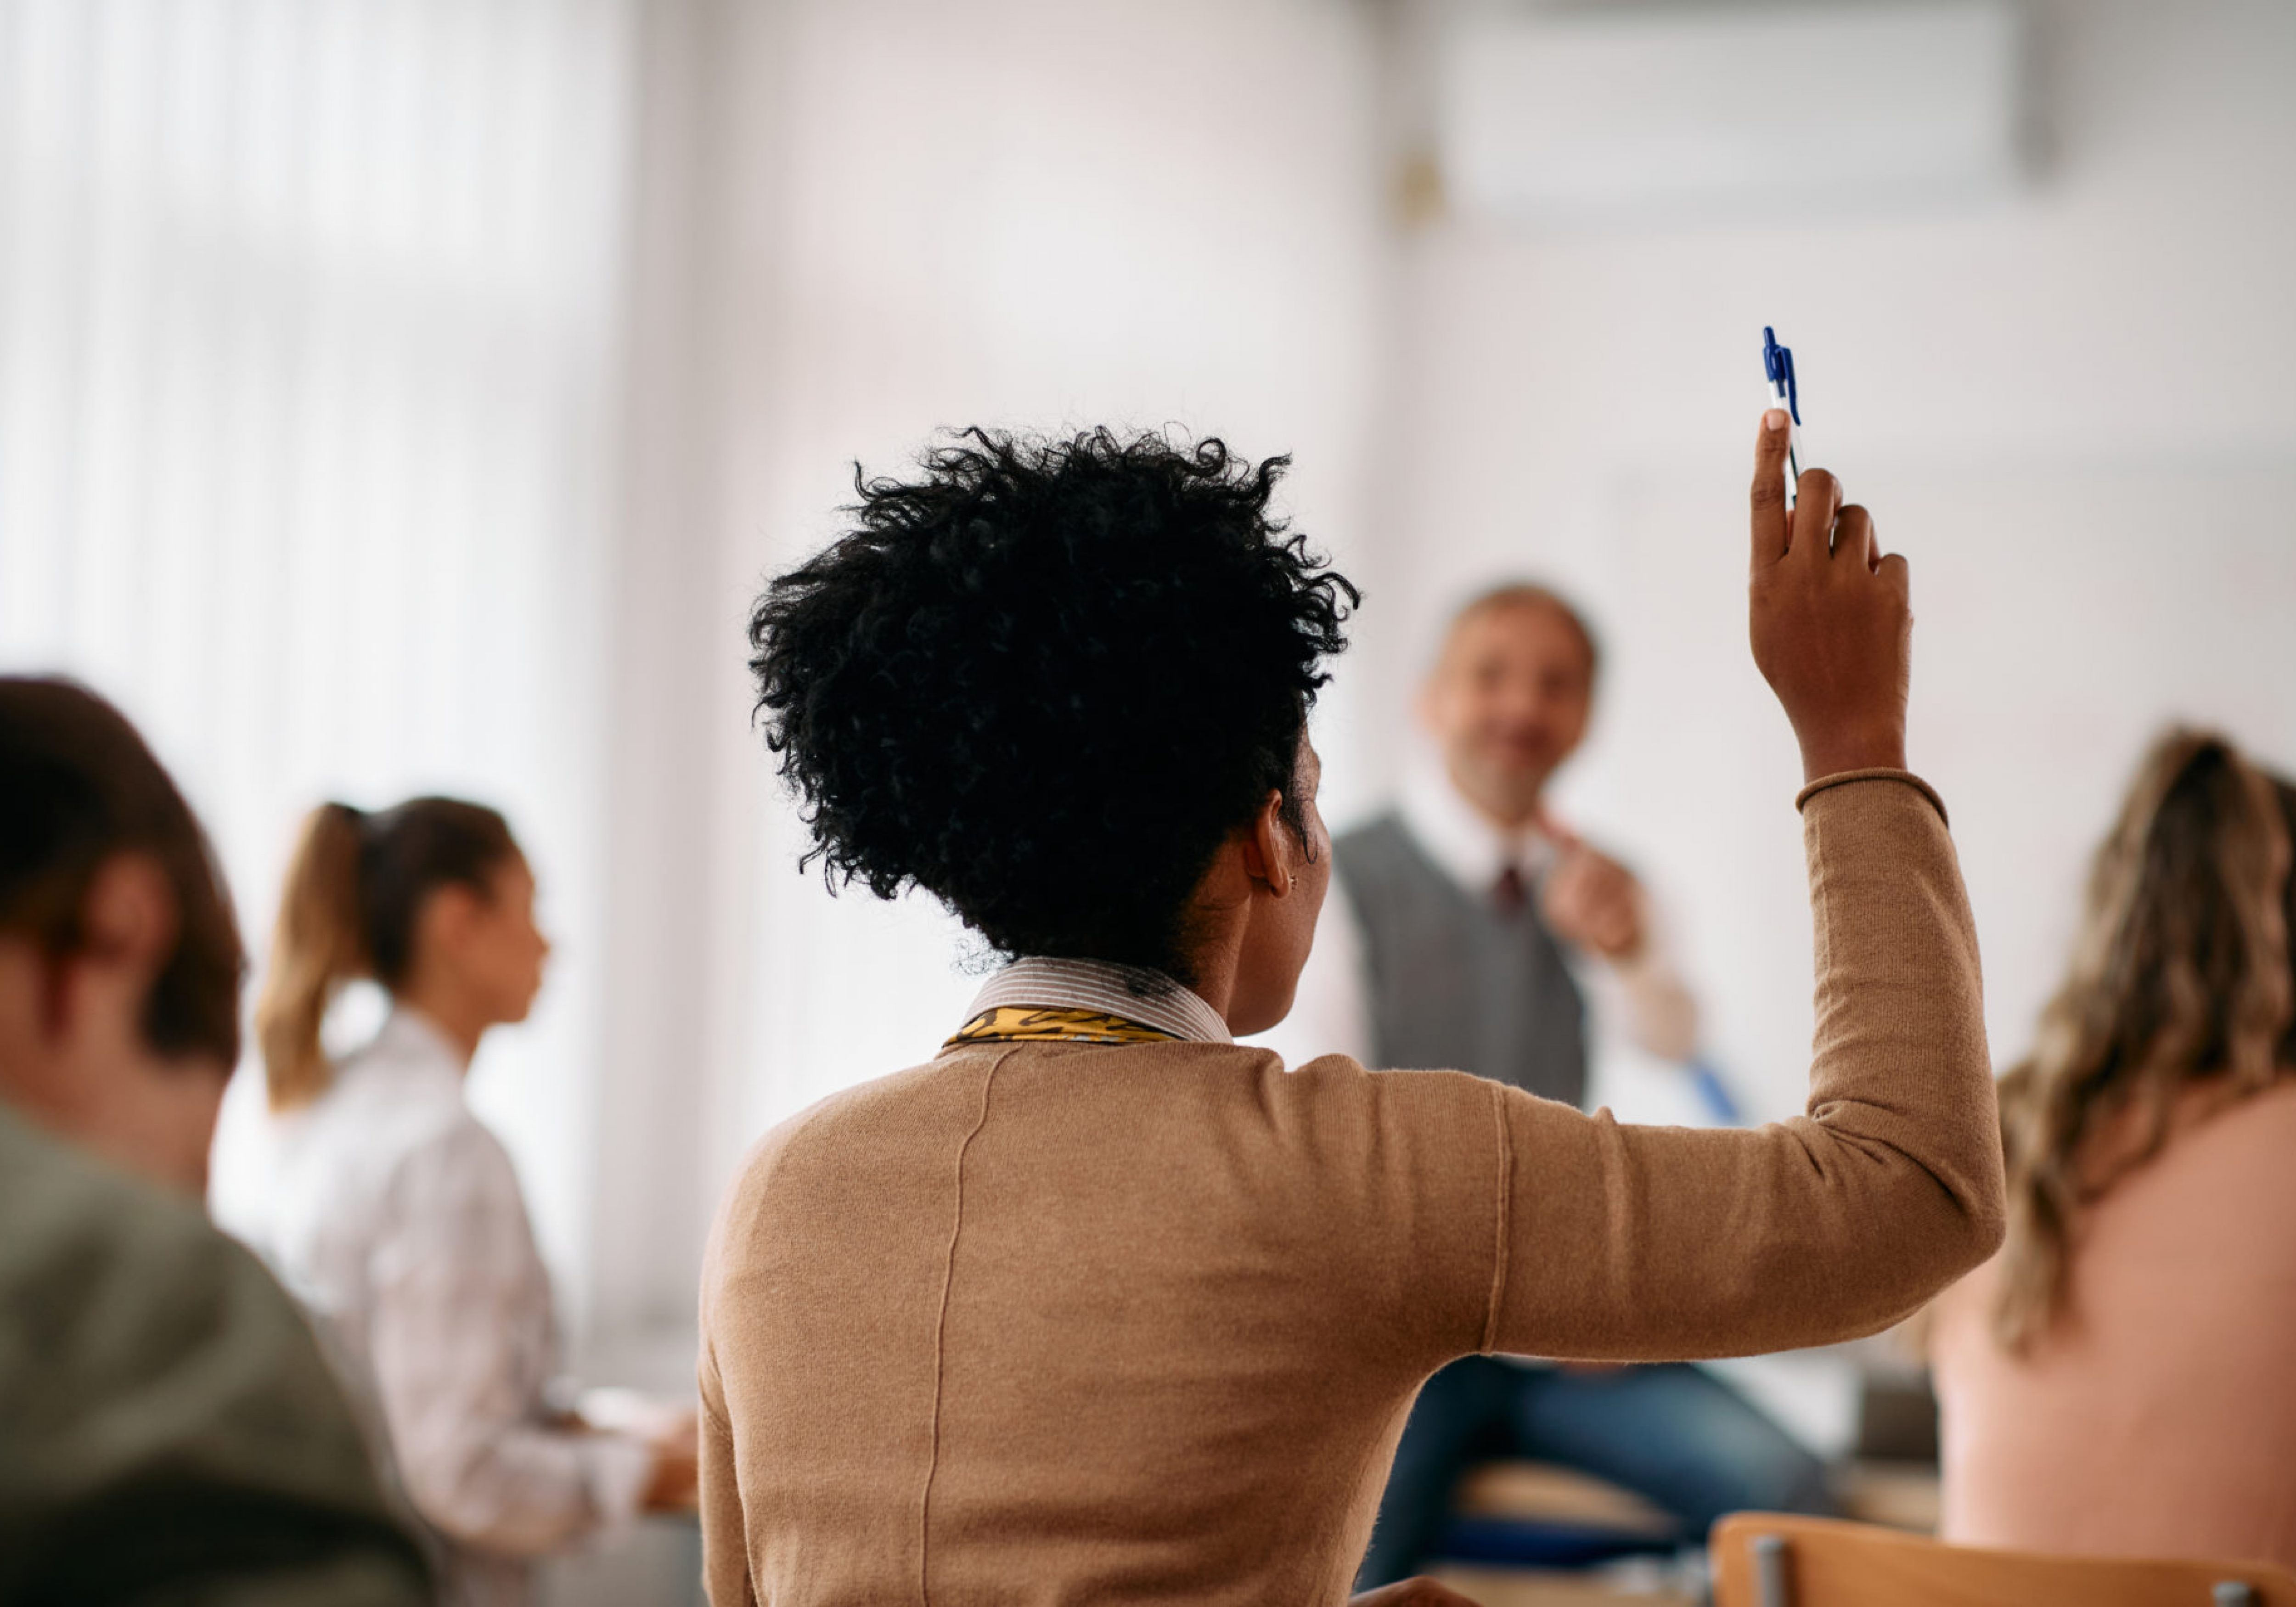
{"x":1768,"y":1560}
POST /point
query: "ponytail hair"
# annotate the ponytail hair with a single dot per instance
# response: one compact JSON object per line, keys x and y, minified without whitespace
{"x":355,"y":892}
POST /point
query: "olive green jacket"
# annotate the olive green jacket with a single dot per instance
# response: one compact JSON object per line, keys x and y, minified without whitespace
{"x":168,"y":1430}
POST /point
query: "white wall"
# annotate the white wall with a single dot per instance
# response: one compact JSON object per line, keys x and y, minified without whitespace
{"x":2072,"y":409}
{"x":308,"y":358}
{"x":1024,"y":214}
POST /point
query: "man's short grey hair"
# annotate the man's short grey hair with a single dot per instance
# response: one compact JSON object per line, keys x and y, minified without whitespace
{"x":1531,"y":593}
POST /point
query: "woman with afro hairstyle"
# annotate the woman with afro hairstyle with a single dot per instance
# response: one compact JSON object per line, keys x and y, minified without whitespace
{"x":1097,"y":1305}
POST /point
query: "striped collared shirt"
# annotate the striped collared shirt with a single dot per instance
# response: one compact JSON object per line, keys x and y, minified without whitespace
{"x":1149,"y":997}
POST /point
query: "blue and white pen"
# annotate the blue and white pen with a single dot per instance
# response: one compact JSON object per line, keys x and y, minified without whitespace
{"x":1777,"y":367}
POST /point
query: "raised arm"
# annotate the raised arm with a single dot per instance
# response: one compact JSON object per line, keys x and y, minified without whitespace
{"x":1620,"y":1242}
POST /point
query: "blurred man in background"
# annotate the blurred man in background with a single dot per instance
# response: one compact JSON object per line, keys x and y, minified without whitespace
{"x":1465,"y":929}
{"x":168,"y":1426}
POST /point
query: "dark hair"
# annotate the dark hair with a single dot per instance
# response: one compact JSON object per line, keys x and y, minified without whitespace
{"x":1533,"y":593}
{"x":1044,"y":680}
{"x":79,"y":787}
{"x":355,"y":889}
{"x":2183,"y":970}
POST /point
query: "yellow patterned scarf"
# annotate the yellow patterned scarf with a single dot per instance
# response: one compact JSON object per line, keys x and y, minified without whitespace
{"x":1042,"y":1024}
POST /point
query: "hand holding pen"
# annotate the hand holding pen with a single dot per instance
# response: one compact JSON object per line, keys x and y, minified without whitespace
{"x":1829,"y":617}
{"x":1778,"y":369}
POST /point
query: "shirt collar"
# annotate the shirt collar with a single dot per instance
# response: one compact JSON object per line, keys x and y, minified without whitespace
{"x":1150,"y":997}
{"x":409,"y":1040}
{"x":1464,"y":844}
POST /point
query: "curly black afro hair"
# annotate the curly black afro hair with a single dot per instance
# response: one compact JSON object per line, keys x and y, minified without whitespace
{"x":1044,"y":680}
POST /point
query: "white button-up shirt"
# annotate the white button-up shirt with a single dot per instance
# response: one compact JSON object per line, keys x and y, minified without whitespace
{"x":395,"y":1216}
{"x":1149,"y":997}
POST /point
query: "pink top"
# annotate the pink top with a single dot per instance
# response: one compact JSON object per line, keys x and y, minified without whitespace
{"x":2159,"y":1418}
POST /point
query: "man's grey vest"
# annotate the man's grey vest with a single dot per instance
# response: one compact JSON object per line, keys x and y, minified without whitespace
{"x":1455,"y":982}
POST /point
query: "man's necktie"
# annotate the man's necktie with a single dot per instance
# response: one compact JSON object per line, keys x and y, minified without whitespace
{"x":1508,"y":893}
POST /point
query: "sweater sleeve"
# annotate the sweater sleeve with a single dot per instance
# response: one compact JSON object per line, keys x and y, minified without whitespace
{"x":1626,"y":1242}
{"x":725,"y":1554}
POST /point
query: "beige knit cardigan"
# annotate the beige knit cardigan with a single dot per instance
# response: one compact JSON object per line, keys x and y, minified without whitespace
{"x":1065,"y":1322}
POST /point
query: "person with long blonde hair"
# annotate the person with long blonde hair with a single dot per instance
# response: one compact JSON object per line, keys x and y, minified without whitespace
{"x":2117,"y":1381}
{"x":396,"y":1214}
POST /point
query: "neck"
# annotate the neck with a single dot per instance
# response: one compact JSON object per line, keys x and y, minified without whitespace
{"x":1216,"y":959}
{"x":458,"y":1019}
{"x":1509,"y":812}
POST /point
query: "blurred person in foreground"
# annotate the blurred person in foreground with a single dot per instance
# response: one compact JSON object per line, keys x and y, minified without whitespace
{"x":1465,"y":928}
{"x":168,"y":1428}
{"x":2117,"y":1381}
{"x":1100,"y":1305}
{"x":395,"y":1213}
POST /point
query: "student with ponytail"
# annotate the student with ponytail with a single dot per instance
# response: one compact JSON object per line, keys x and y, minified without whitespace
{"x":359,"y":888}
{"x":397,"y":1215}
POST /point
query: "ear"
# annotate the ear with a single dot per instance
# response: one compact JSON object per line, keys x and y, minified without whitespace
{"x":1269,"y":850}
{"x":448,"y":912}
{"x":129,"y":918}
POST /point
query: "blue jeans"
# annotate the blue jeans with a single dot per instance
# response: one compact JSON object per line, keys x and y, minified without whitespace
{"x":1677,"y":1437}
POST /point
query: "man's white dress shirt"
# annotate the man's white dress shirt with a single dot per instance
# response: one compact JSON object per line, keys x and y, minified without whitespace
{"x":1330,"y":1012}
{"x":397,"y":1218}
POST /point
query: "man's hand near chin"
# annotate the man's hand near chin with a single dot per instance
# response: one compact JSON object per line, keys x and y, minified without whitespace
{"x":1592,"y":902}
{"x":1421,"y":1591}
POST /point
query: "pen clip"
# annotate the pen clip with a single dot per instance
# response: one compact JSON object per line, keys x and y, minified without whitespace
{"x":1777,"y":363}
